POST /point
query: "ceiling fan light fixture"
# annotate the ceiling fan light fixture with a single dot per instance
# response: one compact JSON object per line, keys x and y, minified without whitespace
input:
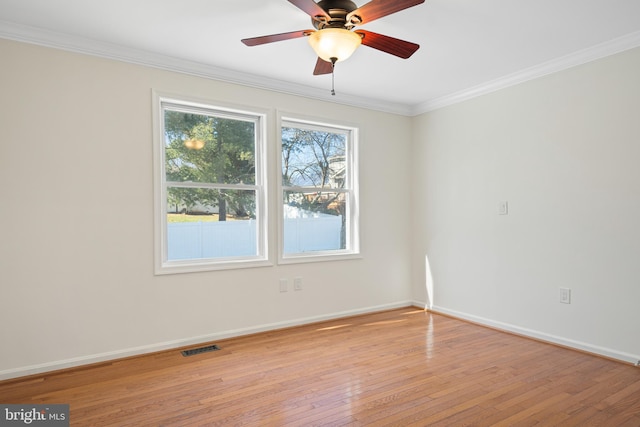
{"x":338,"y":43}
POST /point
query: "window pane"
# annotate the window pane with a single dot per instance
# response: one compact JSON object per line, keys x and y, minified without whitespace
{"x":313,"y":158}
{"x":204,"y":223}
{"x":314,"y":221}
{"x":208,"y":149}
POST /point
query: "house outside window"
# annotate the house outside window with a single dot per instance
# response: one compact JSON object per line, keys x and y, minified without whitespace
{"x":318,"y":190}
{"x":210,"y":192}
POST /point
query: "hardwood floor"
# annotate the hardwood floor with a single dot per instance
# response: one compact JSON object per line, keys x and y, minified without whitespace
{"x":403,"y":367}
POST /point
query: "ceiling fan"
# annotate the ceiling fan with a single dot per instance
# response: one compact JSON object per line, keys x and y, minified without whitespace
{"x":334,"y":38}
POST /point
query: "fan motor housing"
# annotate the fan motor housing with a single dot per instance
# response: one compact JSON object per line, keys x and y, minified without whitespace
{"x":338,"y":11}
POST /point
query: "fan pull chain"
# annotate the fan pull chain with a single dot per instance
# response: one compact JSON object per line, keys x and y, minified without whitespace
{"x":333,"y":81}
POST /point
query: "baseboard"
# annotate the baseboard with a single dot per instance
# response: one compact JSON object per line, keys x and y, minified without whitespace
{"x":420,"y":304}
{"x":168,"y":345}
{"x":541,"y":336}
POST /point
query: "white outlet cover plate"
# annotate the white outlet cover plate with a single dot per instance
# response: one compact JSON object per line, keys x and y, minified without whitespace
{"x":503,"y":208}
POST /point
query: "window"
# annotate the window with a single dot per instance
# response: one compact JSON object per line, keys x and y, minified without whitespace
{"x":319,"y":191}
{"x":210,"y":196}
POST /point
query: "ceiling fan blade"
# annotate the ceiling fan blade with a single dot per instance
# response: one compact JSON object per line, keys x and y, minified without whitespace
{"x":322,"y":67}
{"x":378,"y":8}
{"x":387,"y":44}
{"x":254,"y":41}
{"x":310,"y":7}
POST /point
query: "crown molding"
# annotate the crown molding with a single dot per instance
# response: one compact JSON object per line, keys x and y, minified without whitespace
{"x":580,"y":57}
{"x":57,"y":40}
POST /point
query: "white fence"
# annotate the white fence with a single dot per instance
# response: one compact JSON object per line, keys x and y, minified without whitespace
{"x":312,"y":234}
{"x":197,"y":240}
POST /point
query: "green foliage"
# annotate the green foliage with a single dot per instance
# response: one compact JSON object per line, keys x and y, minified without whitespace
{"x":226,"y":156}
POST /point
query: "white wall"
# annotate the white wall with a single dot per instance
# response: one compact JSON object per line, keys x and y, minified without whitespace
{"x":76,"y":273}
{"x":76,"y":251}
{"x":564,"y":151}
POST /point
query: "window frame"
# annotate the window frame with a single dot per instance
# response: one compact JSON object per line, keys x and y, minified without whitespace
{"x":199,"y":106}
{"x":352,"y":234}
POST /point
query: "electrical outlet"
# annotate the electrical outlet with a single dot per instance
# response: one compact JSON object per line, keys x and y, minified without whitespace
{"x":284,"y":285}
{"x":297,"y":283}
{"x":503,"y":208}
{"x":565,"y":295}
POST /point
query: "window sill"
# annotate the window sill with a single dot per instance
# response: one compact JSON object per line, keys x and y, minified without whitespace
{"x":318,"y":257}
{"x":191,"y":266}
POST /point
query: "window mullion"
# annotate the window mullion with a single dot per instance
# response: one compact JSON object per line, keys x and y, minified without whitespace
{"x":213,"y":186}
{"x":316,"y":189}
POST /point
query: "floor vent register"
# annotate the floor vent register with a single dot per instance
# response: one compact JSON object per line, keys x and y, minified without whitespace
{"x":200,"y":350}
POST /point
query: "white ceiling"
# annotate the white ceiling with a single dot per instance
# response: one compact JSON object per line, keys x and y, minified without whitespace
{"x":467,"y":46}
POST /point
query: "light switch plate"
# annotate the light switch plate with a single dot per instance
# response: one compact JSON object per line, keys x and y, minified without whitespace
{"x":565,"y":295}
